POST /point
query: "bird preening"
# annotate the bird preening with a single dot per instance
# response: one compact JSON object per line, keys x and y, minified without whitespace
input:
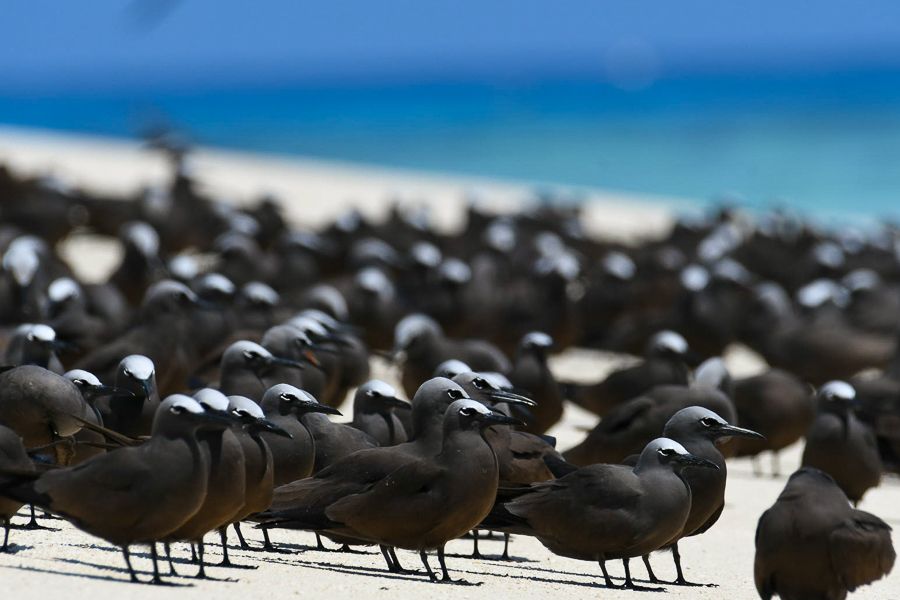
{"x":388,"y":385}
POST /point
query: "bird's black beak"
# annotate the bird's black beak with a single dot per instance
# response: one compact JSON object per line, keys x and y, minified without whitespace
{"x":270,"y":427}
{"x":732,"y":431}
{"x":500,"y":419}
{"x":320,"y":408}
{"x":689,"y":460}
{"x":394,"y":402}
{"x":510,"y":398}
{"x":62,"y":345}
{"x":146,"y":387}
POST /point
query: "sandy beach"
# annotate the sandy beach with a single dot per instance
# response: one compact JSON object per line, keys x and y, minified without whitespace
{"x":70,"y":563}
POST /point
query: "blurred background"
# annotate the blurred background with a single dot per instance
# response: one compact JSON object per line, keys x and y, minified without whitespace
{"x":774,"y":102}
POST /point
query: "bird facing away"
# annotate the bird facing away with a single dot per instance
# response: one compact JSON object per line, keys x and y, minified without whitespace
{"x":812,"y":544}
{"x":603,"y":512}
{"x":842,"y":445}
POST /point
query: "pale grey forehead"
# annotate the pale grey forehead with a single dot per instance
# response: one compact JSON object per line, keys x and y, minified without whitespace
{"x":671,"y":340}
{"x":829,"y":254}
{"x":211,"y":397}
{"x":496,"y":380}
{"x":666,"y":444}
{"x":451,"y":368}
{"x":379,"y":387}
{"x":307,"y":324}
{"x":138,"y":365}
{"x":144,"y":237}
{"x":819,"y":292}
{"x":62,"y":289}
{"x":41,"y":332}
{"x":286,"y":388}
{"x":711,"y":373}
{"x":413,"y":325}
{"x":694,"y":277}
{"x":82,"y":374}
{"x":468,"y":403}
{"x":218,"y":282}
{"x":426,"y":253}
{"x":839,"y":389}
{"x":373,"y":279}
{"x":247,"y":346}
{"x":184,"y":266}
{"x":261,"y":293}
{"x":181,"y":401}
{"x":620,"y":265}
{"x":246,"y":405}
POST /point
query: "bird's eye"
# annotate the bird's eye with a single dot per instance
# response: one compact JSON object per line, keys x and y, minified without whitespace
{"x":456,"y":394}
{"x":286,"y":397}
{"x":667,"y":452}
{"x":250,"y":355}
{"x":373,"y":394}
{"x":480,"y":383}
{"x":126,"y":373}
{"x":176,"y":410}
{"x":79,"y":382}
{"x":467,"y":411}
{"x":708,"y":422}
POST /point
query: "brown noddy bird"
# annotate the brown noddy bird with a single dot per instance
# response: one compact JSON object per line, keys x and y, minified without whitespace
{"x":625,"y":430}
{"x":699,"y":430}
{"x":258,"y":461}
{"x":812,"y":544}
{"x":34,"y":344}
{"x":449,"y":493}
{"x":42,"y":407}
{"x":135,"y":495}
{"x":776,"y":404}
{"x":226,"y":480}
{"x":244,"y":369}
{"x":663,"y":364}
{"x":424,"y":345}
{"x":12,"y":456}
{"x":603,"y":512}
{"x":842,"y":445}
{"x":131,"y":408}
{"x":373,"y":412}
{"x":532,"y":376}
{"x":89,"y":443}
{"x":162,"y":333}
{"x":284,"y":405}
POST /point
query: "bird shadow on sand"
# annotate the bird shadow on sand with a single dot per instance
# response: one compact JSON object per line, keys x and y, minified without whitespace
{"x":90,"y":576}
{"x":15,"y":549}
{"x":409,"y":575}
{"x":495,"y":559}
{"x":586,"y":584}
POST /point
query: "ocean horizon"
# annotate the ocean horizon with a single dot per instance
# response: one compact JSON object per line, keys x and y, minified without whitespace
{"x":825,"y":143}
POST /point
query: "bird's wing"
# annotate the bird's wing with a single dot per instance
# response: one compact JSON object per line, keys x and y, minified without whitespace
{"x":405,"y":498}
{"x":624,"y":416}
{"x":861,"y":550}
{"x":108,"y":484}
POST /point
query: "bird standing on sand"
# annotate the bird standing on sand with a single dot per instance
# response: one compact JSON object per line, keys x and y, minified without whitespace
{"x":812,"y":544}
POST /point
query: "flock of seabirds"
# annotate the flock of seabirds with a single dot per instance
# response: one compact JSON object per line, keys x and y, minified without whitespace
{"x":193,"y":390}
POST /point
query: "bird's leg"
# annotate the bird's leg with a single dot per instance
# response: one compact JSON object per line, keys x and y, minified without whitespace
{"x":606,"y":578}
{"x":776,"y":464}
{"x":201,"y":574}
{"x":168,"y":548}
{"x":445,"y":575}
{"x":5,"y":547}
{"x":33,"y":523}
{"x":393,"y":554}
{"x":630,"y":585}
{"x":505,"y":555}
{"x":650,"y":574}
{"x":223,"y":535}
{"x":475,"y":552}
{"x":319,"y":544}
{"x":268,"y":546}
{"x":244,"y":544}
{"x":157,"y":580}
{"x":387,"y":558}
{"x":127,"y":554}
{"x":680,"y":580}
{"x":193,"y":553}
{"x":424,"y":557}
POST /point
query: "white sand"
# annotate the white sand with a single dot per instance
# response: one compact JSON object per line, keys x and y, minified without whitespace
{"x":74,"y":565}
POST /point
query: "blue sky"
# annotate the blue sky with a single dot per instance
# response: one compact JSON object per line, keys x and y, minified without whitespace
{"x":47,"y":44}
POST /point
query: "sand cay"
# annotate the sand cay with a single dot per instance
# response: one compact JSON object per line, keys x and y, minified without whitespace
{"x":68,"y":563}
